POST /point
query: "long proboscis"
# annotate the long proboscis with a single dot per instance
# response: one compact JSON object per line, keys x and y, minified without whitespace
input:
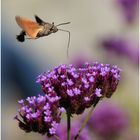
{"x":68,"y":40}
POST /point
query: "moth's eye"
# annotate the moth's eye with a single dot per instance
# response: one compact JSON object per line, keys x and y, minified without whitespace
{"x":55,"y":30}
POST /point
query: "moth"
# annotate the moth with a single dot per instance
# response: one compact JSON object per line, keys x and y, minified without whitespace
{"x":40,"y":28}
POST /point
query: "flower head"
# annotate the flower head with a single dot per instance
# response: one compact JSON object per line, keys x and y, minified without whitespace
{"x":39,"y":114}
{"x":79,"y":88}
{"x":129,"y":9}
{"x":121,"y":47}
{"x":108,"y":121}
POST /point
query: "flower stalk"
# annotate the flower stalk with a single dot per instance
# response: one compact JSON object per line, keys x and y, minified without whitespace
{"x":56,"y":137}
{"x":68,"y":125}
{"x":84,"y":123}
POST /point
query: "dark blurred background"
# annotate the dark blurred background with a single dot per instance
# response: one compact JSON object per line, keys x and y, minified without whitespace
{"x":105,"y":30}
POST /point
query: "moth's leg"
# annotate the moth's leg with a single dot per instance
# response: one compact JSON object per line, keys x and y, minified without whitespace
{"x":32,"y":38}
{"x":21,"y":36}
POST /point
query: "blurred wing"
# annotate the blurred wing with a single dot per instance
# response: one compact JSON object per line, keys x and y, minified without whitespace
{"x":39,"y":20}
{"x":30,"y":27}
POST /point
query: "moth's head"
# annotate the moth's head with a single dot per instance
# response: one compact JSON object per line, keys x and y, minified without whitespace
{"x":54,"y":28}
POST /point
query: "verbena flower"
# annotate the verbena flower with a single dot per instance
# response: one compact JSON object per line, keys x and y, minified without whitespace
{"x":108,"y":121}
{"x":39,"y":114}
{"x":80,"y":88}
{"x":121,"y":47}
{"x":62,"y":131}
{"x":129,"y":9}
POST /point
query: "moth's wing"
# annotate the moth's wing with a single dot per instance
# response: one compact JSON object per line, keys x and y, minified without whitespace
{"x":39,"y":20}
{"x":30,"y":27}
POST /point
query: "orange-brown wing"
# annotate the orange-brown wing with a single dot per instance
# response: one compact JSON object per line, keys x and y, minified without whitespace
{"x":30,"y":27}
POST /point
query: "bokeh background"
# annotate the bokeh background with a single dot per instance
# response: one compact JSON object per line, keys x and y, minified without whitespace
{"x":101,"y":30}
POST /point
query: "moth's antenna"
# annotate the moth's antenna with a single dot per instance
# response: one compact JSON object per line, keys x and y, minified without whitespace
{"x":68,"y":38}
{"x":63,"y":23}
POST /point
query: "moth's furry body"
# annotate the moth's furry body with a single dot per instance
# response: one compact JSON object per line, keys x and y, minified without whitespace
{"x":47,"y":30}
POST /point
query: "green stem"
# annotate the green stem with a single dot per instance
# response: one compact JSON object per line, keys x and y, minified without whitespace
{"x":84,"y":123}
{"x":56,"y":137}
{"x":68,"y":125}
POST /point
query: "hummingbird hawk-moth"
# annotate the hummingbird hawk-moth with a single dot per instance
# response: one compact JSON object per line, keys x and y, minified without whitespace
{"x":35,"y":30}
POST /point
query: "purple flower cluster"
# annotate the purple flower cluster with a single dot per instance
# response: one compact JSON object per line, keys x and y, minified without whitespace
{"x":69,"y":88}
{"x":39,"y":114}
{"x":62,"y":132}
{"x":129,"y":8}
{"x":80,"y":88}
{"x":108,"y":121}
{"x":121,"y":47}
